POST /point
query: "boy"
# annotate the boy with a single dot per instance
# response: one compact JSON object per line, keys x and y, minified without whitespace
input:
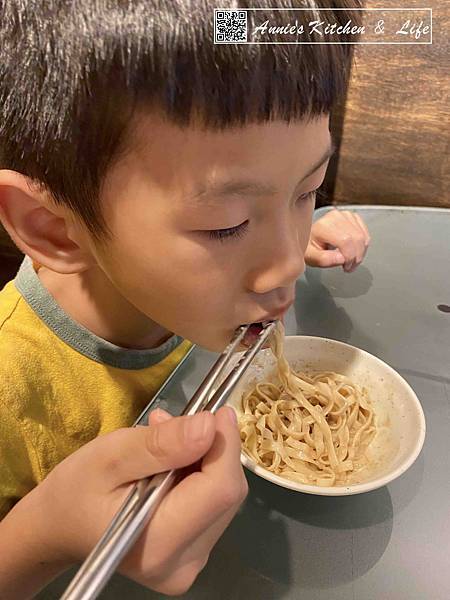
{"x":162,"y":190}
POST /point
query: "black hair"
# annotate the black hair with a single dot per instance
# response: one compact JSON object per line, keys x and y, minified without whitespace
{"x":74,"y":72}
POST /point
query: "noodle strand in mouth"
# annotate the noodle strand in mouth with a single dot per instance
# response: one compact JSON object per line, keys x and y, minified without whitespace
{"x":310,"y":428}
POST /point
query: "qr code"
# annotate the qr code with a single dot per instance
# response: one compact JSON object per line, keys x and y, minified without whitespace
{"x":230,"y":26}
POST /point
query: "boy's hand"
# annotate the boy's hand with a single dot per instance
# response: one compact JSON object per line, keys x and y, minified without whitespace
{"x":80,"y":496}
{"x":340,"y":237}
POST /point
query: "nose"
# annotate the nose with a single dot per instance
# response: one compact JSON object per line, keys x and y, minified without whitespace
{"x":281,"y":259}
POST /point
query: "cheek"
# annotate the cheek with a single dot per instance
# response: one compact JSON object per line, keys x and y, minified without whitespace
{"x":169,"y":272}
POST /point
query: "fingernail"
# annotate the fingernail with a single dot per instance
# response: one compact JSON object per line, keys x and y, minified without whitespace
{"x":196,"y":426}
{"x":232,"y":415}
{"x":160,"y":416}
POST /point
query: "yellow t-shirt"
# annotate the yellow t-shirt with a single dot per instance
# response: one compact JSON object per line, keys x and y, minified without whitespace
{"x":61,"y":385}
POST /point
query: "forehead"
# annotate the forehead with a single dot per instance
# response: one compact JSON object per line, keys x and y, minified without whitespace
{"x":192,"y":158}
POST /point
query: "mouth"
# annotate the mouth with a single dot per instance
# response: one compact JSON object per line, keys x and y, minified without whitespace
{"x":253,"y":332}
{"x":254,"y":329}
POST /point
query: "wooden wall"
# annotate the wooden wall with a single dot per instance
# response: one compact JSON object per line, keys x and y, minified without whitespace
{"x":10,"y":258}
{"x":395,"y":143}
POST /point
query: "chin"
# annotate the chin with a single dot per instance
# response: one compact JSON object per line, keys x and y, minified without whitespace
{"x":218,"y":342}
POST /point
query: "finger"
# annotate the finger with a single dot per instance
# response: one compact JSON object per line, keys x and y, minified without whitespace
{"x":226,"y":451}
{"x":319,"y":257}
{"x":360,"y":246}
{"x":348,"y":268}
{"x":195,"y":508}
{"x":203,"y":497}
{"x":197,"y":552}
{"x":202,"y":546}
{"x":362,"y":234}
{"x":367,"y":238}
{"x":336,"y":234}
{"x":129,"y":454}
{"x":359,"y":237}
{"x":364,"y":227}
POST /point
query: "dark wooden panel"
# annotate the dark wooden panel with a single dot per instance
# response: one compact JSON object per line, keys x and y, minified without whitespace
{"x":10,"y":258}
{"x":395,"y":140}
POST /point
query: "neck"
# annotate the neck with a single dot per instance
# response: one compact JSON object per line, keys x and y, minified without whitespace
{"x":91,"y":300}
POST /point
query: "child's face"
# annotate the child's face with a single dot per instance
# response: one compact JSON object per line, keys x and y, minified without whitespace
{"x":162,"y":259}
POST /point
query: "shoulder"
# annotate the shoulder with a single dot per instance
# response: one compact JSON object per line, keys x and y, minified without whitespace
{"x":9,"y":300}
{"x":21,"y":353}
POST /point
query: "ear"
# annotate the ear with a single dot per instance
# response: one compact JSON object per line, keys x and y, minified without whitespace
{"x":48,"y":233}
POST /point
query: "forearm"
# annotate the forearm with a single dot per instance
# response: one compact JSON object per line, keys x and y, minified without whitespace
{"x":27,"y":561}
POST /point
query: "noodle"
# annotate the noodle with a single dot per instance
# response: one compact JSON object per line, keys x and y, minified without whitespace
{"x":312,"y":429}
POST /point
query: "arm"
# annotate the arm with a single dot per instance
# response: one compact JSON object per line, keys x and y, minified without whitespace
{"x":59,"y":521}
{"x":27,"y":562}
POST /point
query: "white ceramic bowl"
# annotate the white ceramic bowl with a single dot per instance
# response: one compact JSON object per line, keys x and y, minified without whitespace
{"x":395,"y":404}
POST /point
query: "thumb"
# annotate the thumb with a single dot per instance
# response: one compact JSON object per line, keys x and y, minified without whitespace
{"x":137,"y":452}
{"x":318,"y":257}
{"x":159,"y":415}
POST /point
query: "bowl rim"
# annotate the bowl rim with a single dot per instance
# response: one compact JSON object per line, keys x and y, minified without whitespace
{"x":357,"y":488}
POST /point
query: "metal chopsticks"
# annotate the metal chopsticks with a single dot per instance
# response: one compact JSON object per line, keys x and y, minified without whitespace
{"x":147,"y":494}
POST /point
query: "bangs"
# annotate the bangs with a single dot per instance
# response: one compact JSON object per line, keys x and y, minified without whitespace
{"x":72,"y":77}
{"x":171,"y":61}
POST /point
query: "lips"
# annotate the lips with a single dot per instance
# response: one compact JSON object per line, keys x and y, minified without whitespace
{"x":253,"y":331}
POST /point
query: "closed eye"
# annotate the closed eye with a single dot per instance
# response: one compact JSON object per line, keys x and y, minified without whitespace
{"x":240,"y":230}
{"x":236,"y":232}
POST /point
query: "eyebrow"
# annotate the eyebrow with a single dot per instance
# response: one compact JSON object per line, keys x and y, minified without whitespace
{"x":253,"y":188}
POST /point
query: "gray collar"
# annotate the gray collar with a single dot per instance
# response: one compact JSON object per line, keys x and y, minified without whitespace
{"x":78,"y":337}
